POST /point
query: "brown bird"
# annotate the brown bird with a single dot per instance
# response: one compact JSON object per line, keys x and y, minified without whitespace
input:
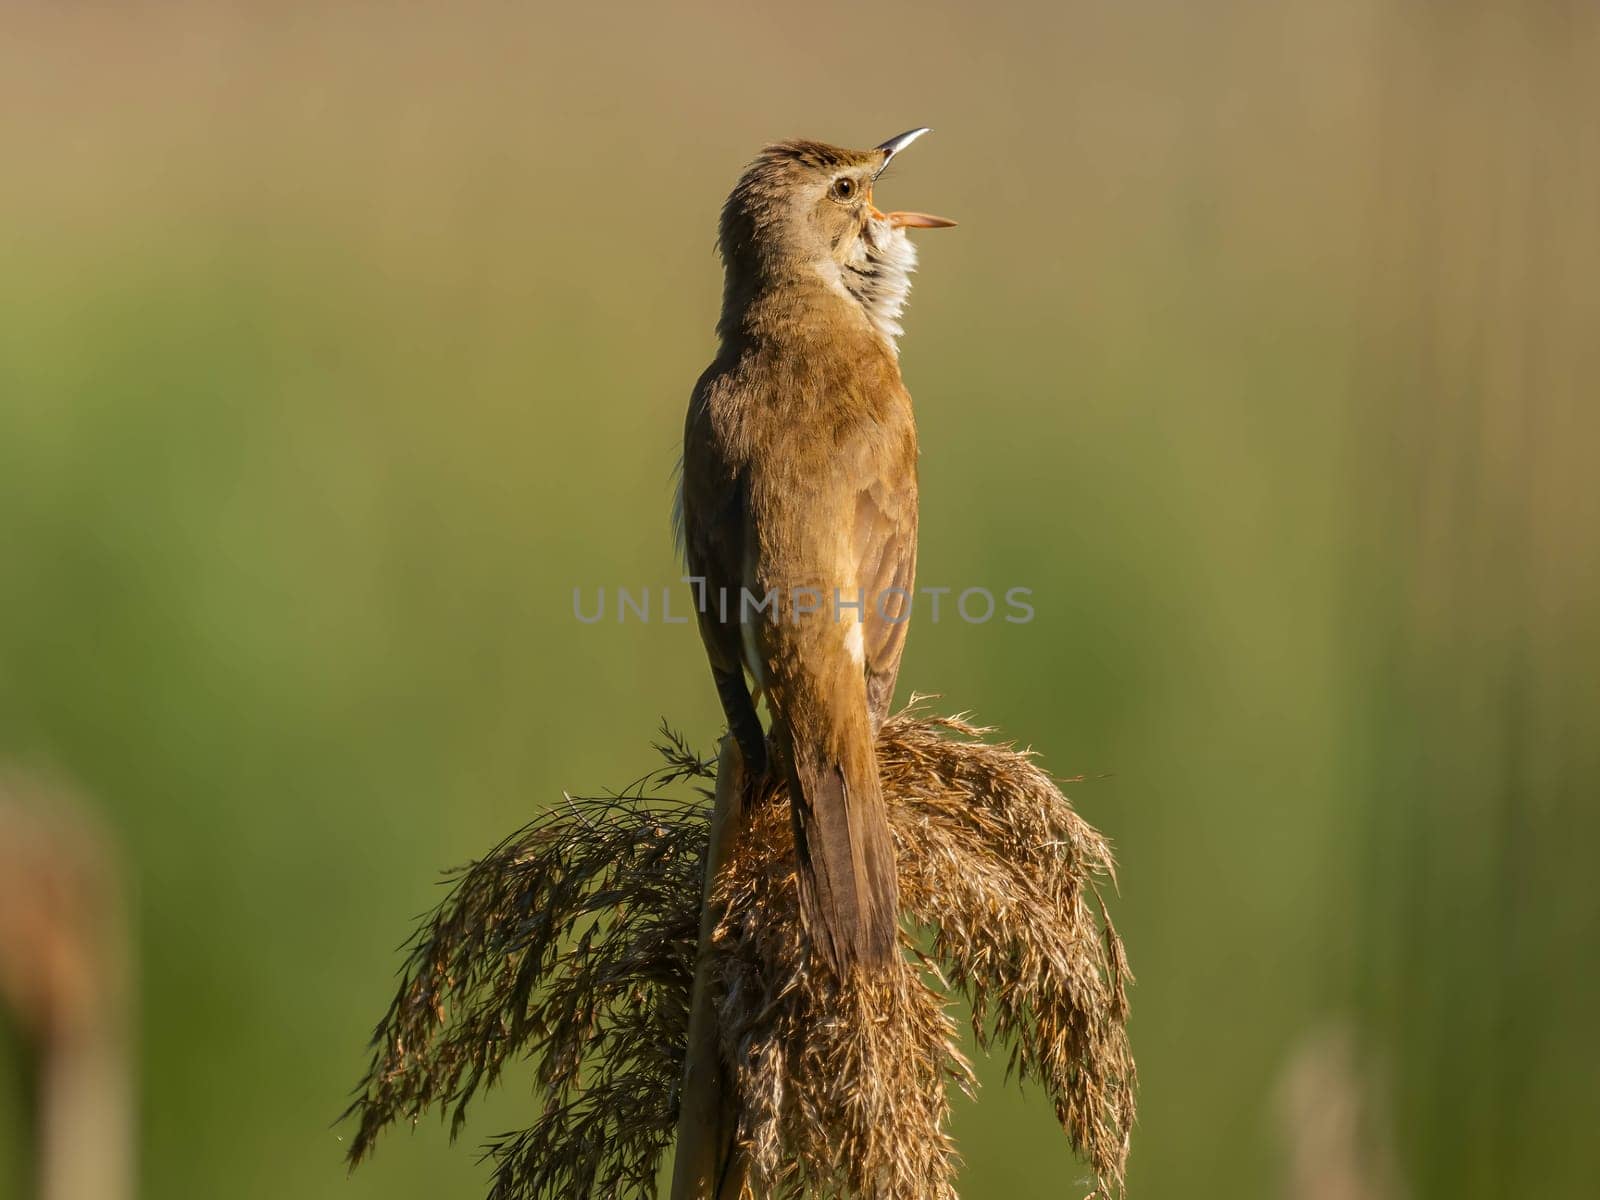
{"x":798,"y":511}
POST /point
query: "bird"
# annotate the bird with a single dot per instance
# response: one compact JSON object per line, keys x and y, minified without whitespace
{"x":797,"y":513}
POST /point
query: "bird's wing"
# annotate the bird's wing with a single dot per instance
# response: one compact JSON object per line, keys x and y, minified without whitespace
{"x":714,"y":519}
{"x":886,"y":569}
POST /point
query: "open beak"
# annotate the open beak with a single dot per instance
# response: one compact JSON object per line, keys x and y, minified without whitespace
{"x":906,"y":220}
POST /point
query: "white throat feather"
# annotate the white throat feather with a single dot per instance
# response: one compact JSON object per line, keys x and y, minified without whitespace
{"x":877,"y":276}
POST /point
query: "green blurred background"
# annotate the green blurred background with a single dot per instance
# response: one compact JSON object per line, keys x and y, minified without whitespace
{"x":339,"y":343}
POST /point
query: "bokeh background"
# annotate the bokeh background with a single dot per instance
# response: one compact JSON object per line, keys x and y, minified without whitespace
{"x":339,"y":343}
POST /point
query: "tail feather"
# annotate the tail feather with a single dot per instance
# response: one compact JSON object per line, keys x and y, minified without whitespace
{"x":848,"y":891}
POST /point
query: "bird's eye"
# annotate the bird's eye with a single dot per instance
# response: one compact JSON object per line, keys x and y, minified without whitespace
{"x":844,"y":188}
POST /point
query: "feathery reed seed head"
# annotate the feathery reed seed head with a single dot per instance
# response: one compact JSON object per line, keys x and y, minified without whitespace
{"x":573,"y":944}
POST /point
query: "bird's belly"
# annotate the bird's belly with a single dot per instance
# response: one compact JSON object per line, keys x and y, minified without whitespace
{"x":847,"y":619}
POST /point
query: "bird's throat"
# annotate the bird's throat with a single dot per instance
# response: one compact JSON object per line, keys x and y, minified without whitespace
{"x":877,"y":276}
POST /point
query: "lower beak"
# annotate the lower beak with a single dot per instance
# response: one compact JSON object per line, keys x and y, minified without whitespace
{"x":910,"y":220}
{"x":914,"y":220}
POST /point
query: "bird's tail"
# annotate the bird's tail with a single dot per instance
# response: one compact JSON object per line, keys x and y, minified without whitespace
{"x":848,"y":893}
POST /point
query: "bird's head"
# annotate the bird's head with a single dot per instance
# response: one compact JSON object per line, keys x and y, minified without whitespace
{"x":803,"y":211}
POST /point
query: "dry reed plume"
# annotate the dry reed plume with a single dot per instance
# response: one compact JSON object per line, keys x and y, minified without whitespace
{"x":573,"y":944}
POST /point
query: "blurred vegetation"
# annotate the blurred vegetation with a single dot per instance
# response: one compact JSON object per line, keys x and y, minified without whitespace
{"x":338,"y":344}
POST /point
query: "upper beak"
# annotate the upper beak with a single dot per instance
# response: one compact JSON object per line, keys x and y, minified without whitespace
{"x":898,"y":143}
{"x":901,"y":220}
